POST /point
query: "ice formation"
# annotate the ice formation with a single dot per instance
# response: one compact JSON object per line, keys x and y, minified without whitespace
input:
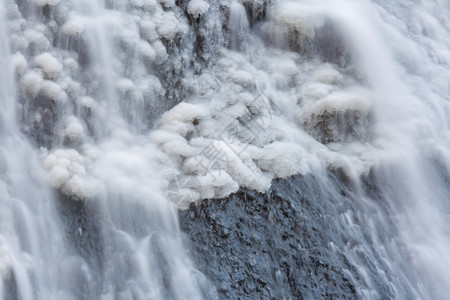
{"x":196,"y":8}
{"x":67,"y":171}
{"x":240,"y":119}
{"x":73,"y":27}
{"x":48,"y":64}
{"x":125,"y":99}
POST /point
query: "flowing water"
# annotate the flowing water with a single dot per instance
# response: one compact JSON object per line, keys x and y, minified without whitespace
{"x":115,"y":114}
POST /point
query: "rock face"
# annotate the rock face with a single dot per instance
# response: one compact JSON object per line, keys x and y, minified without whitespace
{"x":290,"y":243}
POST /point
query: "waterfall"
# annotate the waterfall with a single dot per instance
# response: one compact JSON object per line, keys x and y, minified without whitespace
{"x":32,"y":242}
{"x":124,"y":244}
{"x":118,"y":114}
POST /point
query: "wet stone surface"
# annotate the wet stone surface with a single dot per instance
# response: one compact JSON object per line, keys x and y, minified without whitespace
{"x":284,"y":244}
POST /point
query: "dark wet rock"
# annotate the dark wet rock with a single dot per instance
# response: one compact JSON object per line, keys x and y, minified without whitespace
{"x":81,"y":221}
{"x":256,"y":11}
{"x":76,"y":43}
{"x":340,"y":126}
{"x":329,"y":43}
{"x":286,"y":244}
{"x":10,"y":286}
{"x":42,"y":130}
{"x":325,"y":41}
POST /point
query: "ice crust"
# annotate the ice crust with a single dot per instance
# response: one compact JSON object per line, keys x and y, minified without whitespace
{"x":240,"y":120}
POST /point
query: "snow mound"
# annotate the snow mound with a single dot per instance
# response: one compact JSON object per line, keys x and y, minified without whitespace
{"x":168,"y":25}
{"x":49,"y":65}
{"x":283,"y":159}
{"x":52,"y":91}
{"x":66,"y":171}
{"x":19,"y":64}
{"x":74,"y":26}
{"x":301,"y":18}
{"x":31,"y":83}
{"x":196,"y":8}
{"x":73,"y":129}
{"x":339,"y":101}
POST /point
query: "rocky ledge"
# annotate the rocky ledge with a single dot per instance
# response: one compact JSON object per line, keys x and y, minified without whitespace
{"x":294,"y":242}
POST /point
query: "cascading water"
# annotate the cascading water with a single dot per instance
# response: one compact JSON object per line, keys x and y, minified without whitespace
{"x":33,"y":250}
{"x":126,"y":244}
{"x":115,"y":114}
